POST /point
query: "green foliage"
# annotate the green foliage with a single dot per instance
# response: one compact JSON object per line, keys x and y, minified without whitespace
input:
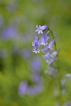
{"x":14,"y":68}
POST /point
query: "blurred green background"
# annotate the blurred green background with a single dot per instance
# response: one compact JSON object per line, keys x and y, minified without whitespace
{"x":18,"y":63}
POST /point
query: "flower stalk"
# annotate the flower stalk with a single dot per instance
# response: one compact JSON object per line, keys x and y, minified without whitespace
{"x":50,"y":54}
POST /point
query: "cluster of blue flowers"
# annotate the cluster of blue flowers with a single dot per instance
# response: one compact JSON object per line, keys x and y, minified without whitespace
{"x":42,"y":39}
{"x":45,"y":42}
{"x":36,"y":78}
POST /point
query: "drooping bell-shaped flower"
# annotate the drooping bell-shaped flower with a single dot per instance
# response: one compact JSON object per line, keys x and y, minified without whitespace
{"x":44,"y":39}
{"x":48,"y":47}
{"x":41,"y":29}
{"x":36,"y":45}
{"x":51,"y":57}
{"x":48,"y":58}
{"x":54,"y":54}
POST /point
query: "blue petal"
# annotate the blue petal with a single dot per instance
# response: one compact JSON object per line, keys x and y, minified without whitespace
{"x":44,"y":39}
{"x":36,"y":45}
{"x":48,"y":47}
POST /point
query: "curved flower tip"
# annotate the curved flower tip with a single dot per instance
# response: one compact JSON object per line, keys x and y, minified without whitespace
{"x":40,"y":29}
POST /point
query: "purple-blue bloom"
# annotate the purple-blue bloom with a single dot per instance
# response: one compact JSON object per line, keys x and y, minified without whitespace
{"x":36,"y":45}
{"x":34,"y":90}
{"x":49,"y":60}
{"x":50,"y":57}
{"x":50,"y":54}
{"x":36,"y":65}
{"x":30,"y":90}
{"x":41,"y":29}
{"x":53,"y":54}
{"x":10,"y":32}
{"x":23,"y":88}
{"x":44,"y":39}
{"x":48,"y":47}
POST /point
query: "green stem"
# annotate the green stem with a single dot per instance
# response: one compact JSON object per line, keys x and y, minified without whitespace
{"x":55,"y":49}
{"x":60,"y":86}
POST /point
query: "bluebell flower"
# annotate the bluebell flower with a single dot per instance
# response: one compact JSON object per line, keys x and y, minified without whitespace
{"x":54,"y":54}
{"x":41,"y":29}
{"x":23,"y":88}
{"x":50,"y":57}
{"x":36,"y":45}
{"x":34,"y":90}
{"x":10,"y":32}
{"x":48,"y":47}
{"x":36,"y":65}
{"x":44,"y":39}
